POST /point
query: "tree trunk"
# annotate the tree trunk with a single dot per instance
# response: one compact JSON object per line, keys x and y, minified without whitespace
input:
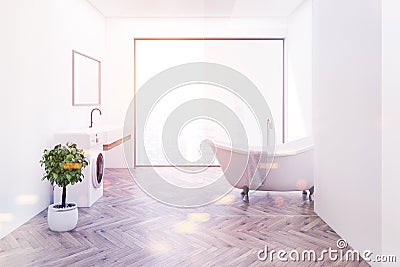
{"x":64,"y":196}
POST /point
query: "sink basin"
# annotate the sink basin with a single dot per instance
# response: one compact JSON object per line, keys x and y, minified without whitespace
{"x":112,"y":134}
{"x":89,"y":137}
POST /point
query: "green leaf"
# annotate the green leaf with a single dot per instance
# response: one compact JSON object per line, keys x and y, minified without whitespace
{"x":54,"y":159}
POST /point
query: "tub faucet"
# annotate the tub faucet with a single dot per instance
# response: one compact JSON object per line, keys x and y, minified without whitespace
{"x":269,"y":124}
{"x":269,"y":127}
{"x":91,"y":116}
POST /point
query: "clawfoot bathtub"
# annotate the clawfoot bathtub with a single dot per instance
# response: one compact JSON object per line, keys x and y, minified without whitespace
{"x":290,"y":169}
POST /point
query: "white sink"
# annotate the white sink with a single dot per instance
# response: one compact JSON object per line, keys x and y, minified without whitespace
{"x":89,"y":137}
{"x":112,"y":134}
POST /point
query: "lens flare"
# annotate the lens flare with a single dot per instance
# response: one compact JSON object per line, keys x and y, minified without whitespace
{"x":6,"y":217}
{"x":279,"y":201}
{"x":198,"y":217}
{"x":302,"y":184}
{"x":160,"y":247}
{"x":271,"y":166}
{"x":185,"y":227}
{"x":26,"y":200}
{"x":226,"y":200}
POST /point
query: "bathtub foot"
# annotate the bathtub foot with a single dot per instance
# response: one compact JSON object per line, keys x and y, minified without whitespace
{"x":311,"y":190}
{"x":245,"y":194}
{"x":310,"y":197}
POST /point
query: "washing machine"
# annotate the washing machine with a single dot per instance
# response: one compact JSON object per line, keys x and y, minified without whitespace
{"x":87,"y":192}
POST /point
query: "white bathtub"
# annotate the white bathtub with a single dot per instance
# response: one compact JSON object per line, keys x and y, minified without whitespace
{"x":291,"y":167}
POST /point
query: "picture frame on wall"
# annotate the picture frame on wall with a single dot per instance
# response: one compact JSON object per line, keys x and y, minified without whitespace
{"x":86,"y":80}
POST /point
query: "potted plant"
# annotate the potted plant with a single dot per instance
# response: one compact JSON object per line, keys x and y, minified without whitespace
{"x":63,"y":166}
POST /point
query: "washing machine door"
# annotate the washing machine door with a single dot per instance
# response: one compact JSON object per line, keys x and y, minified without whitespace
{"x":98,"y":170}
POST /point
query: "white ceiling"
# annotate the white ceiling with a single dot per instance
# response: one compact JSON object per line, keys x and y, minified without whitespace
{"x":195,"y":8}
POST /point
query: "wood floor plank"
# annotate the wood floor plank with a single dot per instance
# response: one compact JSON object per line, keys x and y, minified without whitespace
{"x":128,"y":228}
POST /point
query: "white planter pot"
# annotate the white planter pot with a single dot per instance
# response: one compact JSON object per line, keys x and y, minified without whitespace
{"x":61,"y":220}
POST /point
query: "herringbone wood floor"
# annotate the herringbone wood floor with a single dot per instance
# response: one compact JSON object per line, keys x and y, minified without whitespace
{"x":128,"y":228}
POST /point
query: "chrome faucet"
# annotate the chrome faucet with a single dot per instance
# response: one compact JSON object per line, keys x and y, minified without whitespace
{"x":91,"y":116}
{"x":269,"y":124}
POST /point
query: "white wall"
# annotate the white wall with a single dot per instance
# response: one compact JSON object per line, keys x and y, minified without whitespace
{"x":36,"y":70}
{"x":299,"y":73}
{"x":119,"y":68}
{"x":347,"y":118}
{"x":390,"y":127}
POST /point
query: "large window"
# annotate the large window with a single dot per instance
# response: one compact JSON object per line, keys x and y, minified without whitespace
{"x":261,"y":60}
